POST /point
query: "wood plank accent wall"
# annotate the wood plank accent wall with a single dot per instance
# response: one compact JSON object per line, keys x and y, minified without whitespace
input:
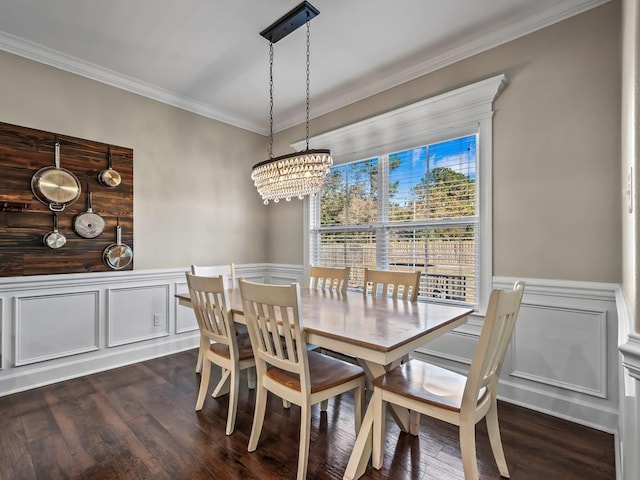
{"x":24,"y":151}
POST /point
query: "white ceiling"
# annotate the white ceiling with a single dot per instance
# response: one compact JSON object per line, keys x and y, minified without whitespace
{"x":207,"y":56}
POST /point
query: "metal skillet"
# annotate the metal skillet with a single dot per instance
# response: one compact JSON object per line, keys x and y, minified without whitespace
{"x":117,"y":255}
{"x":55,"y":186}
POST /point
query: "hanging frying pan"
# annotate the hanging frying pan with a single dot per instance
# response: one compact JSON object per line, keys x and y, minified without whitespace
{"x":109,"y":177}
{"x":54,"y":239}
{"x":88,"y":224}
{"x":55,"y":186}
{"x":117,"y":255}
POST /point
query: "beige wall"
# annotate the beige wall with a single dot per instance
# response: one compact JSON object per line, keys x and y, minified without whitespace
{"x":556,"y":155}
{"x":556,"y":163}
{"x":193,"y":199}
{"x":631,"y":152}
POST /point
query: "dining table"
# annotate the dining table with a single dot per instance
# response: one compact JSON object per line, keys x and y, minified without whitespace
{"x":377,"y":331}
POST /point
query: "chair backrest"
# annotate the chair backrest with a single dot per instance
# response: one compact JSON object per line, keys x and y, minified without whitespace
{"x":273,"y":314}
{"x":326,"y":278}
{"x":209,"y":300}
{"x":495,"y":337}
{"x":227,"y":271}
{"x":403,"y":285}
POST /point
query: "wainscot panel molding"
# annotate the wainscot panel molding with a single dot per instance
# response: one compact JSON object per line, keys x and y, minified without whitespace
{"x":185,"y":319}
{"x":137,"y":313}
{"x":629,"y":371}
{"x":282,"y":274}
{"x":57,"y":327}
{"x":562,"y":359}
{"x":54,"y":326}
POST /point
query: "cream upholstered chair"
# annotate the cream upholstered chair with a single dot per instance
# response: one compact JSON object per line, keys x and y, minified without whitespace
{"x":285,"y":367}
{"x":327,"y":278}
{"x":228,"y":273}
{"x":231,"y":351}
{"x":403,"y":285}
{"x":451,"y":397}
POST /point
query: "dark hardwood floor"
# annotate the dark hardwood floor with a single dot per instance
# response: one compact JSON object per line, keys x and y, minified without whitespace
{"x":139,"y":422}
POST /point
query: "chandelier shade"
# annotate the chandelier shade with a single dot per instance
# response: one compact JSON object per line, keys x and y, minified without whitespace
{"x":297,"y":174}
{"x":294,"y":175}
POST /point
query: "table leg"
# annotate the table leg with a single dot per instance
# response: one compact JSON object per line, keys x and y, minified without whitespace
{"x":362,"y":449}
{"x":399,"y":414}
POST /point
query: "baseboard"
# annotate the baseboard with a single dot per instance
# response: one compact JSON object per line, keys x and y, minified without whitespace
{"x":599,"y":417}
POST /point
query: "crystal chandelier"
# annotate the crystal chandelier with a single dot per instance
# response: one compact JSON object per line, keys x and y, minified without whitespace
{"x":301,"y":173}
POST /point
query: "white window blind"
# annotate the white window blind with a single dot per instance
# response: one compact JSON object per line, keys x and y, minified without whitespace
{"x":441,"y":226}
{"x":408,"y":210}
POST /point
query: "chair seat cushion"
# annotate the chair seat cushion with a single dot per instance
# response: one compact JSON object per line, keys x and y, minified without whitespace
{"x":426,"y":383}
{"x":325,"y":372}
{"x":244,"y":348}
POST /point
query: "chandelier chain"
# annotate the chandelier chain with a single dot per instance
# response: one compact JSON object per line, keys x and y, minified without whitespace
{"x":296,"y":174}
{"x":270,"y":99}
{"x":308,"y":68}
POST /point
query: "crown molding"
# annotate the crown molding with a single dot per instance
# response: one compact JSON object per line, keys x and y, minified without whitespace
{"x":53,"y":58}
{"x":332,"y":101}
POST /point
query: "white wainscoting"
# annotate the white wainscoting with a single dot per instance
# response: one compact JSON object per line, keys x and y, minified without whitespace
{"x":185,"y":320}
{"x":56,"y":327}
{"x":137,"y":313}
{"x":563,"y":359}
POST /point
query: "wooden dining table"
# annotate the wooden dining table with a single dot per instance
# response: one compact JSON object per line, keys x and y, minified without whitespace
{"x":378,"y":332}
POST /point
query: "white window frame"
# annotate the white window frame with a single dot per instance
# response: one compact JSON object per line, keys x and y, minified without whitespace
{"x":464,"y":111}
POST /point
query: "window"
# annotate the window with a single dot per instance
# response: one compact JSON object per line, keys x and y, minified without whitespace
{"x":411,"y":190}
{"x":408,"y":210}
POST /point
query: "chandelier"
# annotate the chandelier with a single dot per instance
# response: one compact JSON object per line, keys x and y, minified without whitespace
{"x":301,"y":173}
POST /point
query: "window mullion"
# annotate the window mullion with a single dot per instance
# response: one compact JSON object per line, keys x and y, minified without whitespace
{"x":382,"y":237}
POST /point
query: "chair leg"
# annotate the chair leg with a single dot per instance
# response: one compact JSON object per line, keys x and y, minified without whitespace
{"x":203,"y":348}
{"x":251,"y":378}
{"x":233,"y":400}
{"x":468,"y":448}
{"x":324,"y":404}
{"x":258,"y":416}
{"x":493,"y":429}
{"x":305,"y":434}
{"x":204,"y":384}
{"x":223,"y":385}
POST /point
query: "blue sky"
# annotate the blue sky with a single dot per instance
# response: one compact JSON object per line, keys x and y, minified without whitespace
{"x":457,"y":154}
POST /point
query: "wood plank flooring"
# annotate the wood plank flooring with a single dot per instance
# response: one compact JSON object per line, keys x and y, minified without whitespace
{"x":138,"y":422}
